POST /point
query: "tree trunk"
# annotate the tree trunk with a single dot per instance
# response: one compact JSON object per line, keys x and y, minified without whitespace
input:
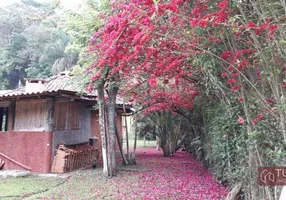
{"x":180,"y":142}
{"x":157,"y":143}
{"x":102,"y":121}
{"x":125,"y":161}
{"x":253,"y":165}
{"x":283,"y":126}
{"x":107,"y":122}
{"x":126,"y":131}
{"x":134,"y":130}
{"x":111,"y":111}
{"x":164,"y":144}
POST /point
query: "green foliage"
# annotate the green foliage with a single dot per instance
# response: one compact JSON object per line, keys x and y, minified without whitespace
{"x":227,"y":141}
{"x":81,"y":25}
{"x":32,"y":43}
{"x":12,"y":61}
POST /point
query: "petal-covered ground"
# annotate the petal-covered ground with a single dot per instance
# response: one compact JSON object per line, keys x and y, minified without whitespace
{"x":154,"y":177}
{"x":178,"y":177}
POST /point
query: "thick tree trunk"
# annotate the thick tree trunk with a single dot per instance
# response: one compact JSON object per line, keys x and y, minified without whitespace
{"x":165,"y":144}
{"x":111,"y":110}
{"x":101,"y":107}
{"x":107,"y":122}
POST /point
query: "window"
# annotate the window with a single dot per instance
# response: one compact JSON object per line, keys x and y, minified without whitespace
{"x":3,"y":118}
{"x":66,"y":116}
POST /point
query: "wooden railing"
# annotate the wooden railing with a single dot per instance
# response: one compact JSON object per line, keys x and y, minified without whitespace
{"x":14,"y":161}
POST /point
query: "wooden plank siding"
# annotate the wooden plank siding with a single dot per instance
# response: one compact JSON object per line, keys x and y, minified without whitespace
{"x":31,"y":115}
{"x":66,"y":116}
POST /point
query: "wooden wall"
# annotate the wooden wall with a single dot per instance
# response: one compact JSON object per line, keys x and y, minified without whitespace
{"x":95,"y":131}
{"x":66,"y":116}
{"x":71,"y":135}
{"x":33,"y":115}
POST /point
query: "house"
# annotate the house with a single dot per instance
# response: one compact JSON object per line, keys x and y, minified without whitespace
{"x":36,"y":118}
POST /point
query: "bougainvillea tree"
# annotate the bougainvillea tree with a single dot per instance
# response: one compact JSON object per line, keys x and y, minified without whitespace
{"x":133,"y":49}
{"x":157,"y":52}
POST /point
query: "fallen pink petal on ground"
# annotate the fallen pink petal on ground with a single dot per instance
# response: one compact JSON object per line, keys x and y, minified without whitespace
{"x":177,"y":177}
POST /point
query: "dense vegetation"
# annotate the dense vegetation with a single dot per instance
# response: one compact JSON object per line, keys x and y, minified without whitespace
{"x":32,"y":42}
{"x":206,"y":74}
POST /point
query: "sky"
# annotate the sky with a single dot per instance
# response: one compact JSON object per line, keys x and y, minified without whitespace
{"x":68,"y":4}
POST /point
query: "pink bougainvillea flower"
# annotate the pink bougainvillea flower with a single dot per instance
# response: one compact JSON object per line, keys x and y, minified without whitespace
{"x":240,"y":120}
{"x":237,"y":34}
{"x":270,"y":101}
{"x":231,"y":81}
{"x":251,"y":25}
{"x":263,"y":26}
{"x":234,"y":74}
{"x":224,"y":74}
{"x":259,"y":117}
{"x":236,"y":88}
{"x":225,"y":55}
{"x":230,"y":68}
{"x":223,"y":4}
{"x":240,"y":99}
{"x":202,"y":23}
{"x":273,"y":28}
{"x":254,"y":122}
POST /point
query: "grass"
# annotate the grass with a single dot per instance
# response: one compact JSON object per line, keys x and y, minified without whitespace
{"x":140,"y":143}
{"x":13,"y":188}
{"x":17,"y":188}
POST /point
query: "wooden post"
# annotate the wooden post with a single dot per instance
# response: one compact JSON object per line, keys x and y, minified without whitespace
{"x":50,"y":115}
{"x":11,"y":116}
{"x":1,"y":118}
{"x":6,"y":119}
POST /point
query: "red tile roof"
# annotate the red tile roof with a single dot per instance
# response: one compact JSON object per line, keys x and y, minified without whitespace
{"x":62,"y":82}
